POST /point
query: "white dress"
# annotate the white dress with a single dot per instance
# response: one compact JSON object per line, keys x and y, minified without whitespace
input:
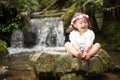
{"x":86,"y":39}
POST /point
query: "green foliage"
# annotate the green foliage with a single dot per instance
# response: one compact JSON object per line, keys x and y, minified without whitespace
{"x":45,"y":2}
{"x":13,"y":12}
{"x":112,"y":33}
{"x":66,"y":17}
{"x":79,"y":1}
{"x":90,"y":4}
{"x":95,"y":3}
{"x":12,"y":25}
{"x":22,"y":6}
{"x":3,"y":44}
{"x":3,"y":49}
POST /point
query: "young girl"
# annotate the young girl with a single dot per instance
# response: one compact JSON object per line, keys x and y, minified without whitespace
{"x":81,"y":38}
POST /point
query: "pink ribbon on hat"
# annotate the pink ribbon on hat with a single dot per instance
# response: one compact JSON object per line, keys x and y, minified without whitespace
{"x":79,"y":17}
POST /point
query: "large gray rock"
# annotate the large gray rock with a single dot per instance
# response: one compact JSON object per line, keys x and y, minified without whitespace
{"x":62,"y":63}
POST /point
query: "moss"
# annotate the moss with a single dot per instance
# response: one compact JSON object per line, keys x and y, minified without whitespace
{"x":76,"y":64}
{"x":45,"y":63}
{"x":97,"y":67}
{"x":66,"y":17}
{"x":104,"y":55}
{"x":72,"y":76}
{"x":98,"y":64}
{"x":63,"y":64}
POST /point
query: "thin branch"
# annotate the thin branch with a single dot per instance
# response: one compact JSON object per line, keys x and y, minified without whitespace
{"x":38,"y":13}
{"x":110,"y":8}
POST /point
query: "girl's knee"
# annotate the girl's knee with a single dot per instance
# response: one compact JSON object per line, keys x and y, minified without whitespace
{"x":98,"y":45}
{"x":66,"y":43}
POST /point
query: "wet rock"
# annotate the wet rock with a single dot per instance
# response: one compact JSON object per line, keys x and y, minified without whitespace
{"x":110,"y":76}
{"x":29,"y":39}
{"x":3,"y":71}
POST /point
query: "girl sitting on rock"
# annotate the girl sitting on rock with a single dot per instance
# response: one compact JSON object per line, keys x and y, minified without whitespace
{"x":81,"y":38}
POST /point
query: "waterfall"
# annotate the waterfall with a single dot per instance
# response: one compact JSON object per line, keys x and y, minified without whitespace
{"x":17,"y":38}
{"x":49,"y":33}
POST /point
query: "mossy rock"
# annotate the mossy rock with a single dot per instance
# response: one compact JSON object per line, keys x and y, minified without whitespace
{"x":64,"y":63}
{"x":72,"y":76}
{"x":98,"y":64}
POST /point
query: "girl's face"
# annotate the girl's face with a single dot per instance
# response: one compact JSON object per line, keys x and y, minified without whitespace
{"x":81,"y":25}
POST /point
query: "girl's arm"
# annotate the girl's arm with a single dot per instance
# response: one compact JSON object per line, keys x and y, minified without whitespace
{"x":90,"y":39}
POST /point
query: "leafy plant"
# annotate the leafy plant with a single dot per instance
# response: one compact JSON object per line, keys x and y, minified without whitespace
{"x":13,"y":12}
{"x":90,"y":4}
{"x":3,"y":44}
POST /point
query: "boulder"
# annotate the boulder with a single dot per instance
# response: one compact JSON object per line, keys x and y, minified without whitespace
{"x":60,"y":64}
{"x":3,"y":71}
{"x":29,"y":39}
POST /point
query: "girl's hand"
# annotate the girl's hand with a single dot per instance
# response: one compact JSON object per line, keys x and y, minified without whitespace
{"x":84,"y":53}
{"x":79,"y":50}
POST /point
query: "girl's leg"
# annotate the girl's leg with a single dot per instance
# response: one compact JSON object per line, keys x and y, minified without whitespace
{"x":94,"y":49}
{"x":69,"y":47}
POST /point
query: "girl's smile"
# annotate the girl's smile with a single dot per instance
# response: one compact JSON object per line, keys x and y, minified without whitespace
{"x":81,"y":25}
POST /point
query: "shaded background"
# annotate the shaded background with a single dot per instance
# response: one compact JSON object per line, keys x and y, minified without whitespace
{"x":104,"y":17}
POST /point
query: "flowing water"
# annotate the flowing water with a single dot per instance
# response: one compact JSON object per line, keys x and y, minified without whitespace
{"x":49,"y":32}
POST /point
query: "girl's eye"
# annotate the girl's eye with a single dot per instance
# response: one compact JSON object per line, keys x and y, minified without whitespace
{"x":82,"y":23}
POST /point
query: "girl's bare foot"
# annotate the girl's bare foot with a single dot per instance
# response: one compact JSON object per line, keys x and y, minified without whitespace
{"x":88,"y":56}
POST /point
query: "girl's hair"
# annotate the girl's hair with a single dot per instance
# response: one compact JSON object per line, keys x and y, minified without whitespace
{"x":71,"y":27}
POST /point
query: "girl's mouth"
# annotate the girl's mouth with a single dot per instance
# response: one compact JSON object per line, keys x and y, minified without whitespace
{"x":83,"y":27}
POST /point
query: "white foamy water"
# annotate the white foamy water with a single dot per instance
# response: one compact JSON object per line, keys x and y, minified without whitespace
{"x":20,"y":50}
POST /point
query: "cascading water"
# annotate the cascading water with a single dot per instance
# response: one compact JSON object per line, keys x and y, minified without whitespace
{"x":49,"y":32}
{"x":17,"y":39}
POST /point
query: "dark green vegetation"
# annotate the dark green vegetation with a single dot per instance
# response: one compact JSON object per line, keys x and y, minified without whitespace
{"x":104,"y":14}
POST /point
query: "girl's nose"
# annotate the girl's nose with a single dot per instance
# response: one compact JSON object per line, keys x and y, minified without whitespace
{"x":84,"y":23}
